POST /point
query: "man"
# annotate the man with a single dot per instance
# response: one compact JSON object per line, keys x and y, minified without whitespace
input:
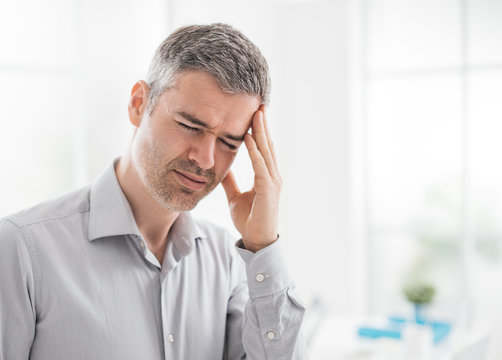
{"x":120,"y":270}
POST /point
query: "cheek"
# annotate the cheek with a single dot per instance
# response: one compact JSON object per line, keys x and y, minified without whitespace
{"x":143,"y":145}
{"x":224,"y":162}
{"x":170,"y":144}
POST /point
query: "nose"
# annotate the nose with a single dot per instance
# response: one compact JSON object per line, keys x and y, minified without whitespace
{"x":202,"y":151}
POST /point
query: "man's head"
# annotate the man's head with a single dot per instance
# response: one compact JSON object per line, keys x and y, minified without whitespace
{"x":204,"y":85}
{"x":232,"y":59}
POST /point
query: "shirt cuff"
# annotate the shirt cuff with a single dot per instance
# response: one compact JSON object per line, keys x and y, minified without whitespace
{"x":266,"y":269}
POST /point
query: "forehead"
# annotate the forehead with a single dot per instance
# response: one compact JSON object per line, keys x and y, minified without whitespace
{"x":198,"y":94}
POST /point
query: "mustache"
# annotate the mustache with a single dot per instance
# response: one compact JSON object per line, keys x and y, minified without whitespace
{"x":191,"y":167}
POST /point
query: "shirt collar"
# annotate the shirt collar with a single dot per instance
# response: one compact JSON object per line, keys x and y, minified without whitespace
{"x":110,"y":214}
{"x":184,"y":233}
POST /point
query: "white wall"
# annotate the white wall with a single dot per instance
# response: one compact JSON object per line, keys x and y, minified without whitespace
{"x":67,"y":68}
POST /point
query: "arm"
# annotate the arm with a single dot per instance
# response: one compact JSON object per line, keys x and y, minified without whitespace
{"x":17,"y":295}
{"x":273,"y":314}
{"x":264,"y":313}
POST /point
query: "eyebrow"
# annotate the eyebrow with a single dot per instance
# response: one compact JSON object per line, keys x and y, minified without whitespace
{"x":203,"y":124}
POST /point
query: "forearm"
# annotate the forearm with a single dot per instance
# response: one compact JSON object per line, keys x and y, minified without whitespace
{"x":273,"y":313}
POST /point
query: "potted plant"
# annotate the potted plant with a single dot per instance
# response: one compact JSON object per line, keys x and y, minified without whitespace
{"x":419,"y":294}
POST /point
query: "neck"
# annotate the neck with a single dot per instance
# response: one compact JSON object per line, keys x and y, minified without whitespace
{"x":153,"y":220}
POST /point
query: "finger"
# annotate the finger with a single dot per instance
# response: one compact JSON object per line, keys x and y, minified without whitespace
{"x":257,"y":160}
{"x":260,"y":136}
{"x":262,"y":108}
{"x":269,"y":138}
{"x":230,"y":186}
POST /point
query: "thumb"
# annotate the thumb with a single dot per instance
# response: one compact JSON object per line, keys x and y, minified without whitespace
{"x":230,"y":186}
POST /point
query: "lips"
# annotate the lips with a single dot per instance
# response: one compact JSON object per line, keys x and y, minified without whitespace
{"x":190,"y":181}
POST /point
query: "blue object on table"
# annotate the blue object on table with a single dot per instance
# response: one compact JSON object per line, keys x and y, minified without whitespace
{"x":377,"y":333}
{"x":396,"y":325}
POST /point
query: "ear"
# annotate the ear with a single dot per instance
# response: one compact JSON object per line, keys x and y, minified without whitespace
{"x":138,"y":102}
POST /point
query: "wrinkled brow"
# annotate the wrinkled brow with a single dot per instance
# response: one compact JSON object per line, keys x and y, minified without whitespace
{"x":194,"y":120}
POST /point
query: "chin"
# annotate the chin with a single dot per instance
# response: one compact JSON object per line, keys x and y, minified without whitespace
{"x":184,"y":207}
{"x":181,"y":204}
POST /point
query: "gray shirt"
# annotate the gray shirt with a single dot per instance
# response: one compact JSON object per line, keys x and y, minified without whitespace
{"x":77,"y":281}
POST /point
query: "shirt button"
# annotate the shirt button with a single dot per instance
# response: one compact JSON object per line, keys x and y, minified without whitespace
{"x":170,"y":338}
{"x":271,"y":335}
{"x":260,"y":277}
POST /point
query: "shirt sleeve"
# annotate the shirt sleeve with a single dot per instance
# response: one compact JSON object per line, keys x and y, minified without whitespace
{"x":17,"y":294}
{"x":270,"y":324}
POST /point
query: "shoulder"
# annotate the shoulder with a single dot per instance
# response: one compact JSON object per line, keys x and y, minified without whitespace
{"x":75,"y":202}
{"x":10,"y":235}
{"x":14,"y":253}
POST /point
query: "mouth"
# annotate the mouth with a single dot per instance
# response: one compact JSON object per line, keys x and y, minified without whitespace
{"x":190,"y":181}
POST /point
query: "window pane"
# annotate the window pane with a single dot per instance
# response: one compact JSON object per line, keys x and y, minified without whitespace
{"x":414,"y":152}
{"x":484,"y":31}
{"x":413,"y":34}
{"x":414,"y":175}
{"x":485,"y":129}
{"x":485,"y":170}
{"x":415,"y":193}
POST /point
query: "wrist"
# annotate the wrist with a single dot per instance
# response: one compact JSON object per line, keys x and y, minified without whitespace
{"x":255,"y":246}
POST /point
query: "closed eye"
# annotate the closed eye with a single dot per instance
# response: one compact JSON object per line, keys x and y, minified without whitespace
{"x":189,"y":128}
{"x":198,"y":130}
{"x":230,"y":146}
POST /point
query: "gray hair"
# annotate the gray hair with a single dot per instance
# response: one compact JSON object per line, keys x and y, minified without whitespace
{"x":232,"y":59}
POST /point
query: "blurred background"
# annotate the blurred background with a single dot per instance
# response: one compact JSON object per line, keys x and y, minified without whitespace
{"x":386,"y":115}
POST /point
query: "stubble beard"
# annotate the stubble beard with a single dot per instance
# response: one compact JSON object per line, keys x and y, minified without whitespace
{"x":163,"y":186}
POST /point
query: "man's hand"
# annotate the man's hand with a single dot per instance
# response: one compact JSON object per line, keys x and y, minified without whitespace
{"x":255,"y":212}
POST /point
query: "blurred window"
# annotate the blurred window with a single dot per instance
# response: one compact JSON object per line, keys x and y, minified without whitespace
{"x":66,"y":69}
{"x":433,"y":121}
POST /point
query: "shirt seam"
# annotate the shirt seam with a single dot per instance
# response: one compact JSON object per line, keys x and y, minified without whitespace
{"x":45,"y":220}
{"x":35,"y":267}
